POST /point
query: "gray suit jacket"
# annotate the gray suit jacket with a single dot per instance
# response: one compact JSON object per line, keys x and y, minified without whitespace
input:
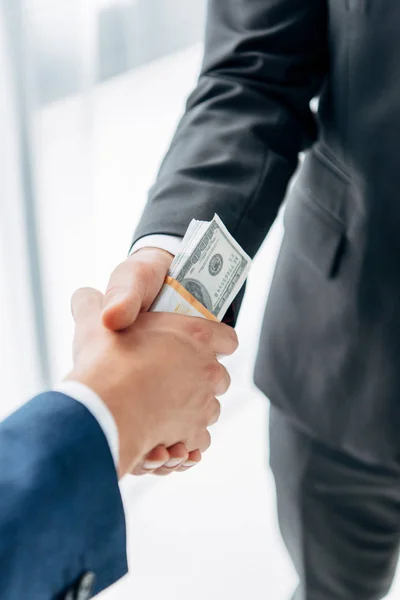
{"x":329,"y":352}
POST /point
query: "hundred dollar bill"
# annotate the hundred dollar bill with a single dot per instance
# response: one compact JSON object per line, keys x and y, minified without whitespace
{"x":207,"y":273}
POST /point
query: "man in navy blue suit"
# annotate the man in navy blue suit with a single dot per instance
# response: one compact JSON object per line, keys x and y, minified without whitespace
{"x":130,"y":396}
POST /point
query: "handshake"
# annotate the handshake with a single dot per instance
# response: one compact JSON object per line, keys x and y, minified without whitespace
{"x":157,"y":372}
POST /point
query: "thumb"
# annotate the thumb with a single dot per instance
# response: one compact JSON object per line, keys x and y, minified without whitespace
{"x":86,"y":305}
{"x":133,"y":287}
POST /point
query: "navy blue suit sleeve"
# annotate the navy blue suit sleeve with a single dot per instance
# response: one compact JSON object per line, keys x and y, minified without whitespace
{"x":61,"y":513}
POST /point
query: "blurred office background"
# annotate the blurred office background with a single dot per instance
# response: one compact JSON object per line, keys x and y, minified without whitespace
{"x":90,"y":92}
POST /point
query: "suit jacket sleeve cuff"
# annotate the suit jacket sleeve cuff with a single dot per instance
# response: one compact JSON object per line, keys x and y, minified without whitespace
{"x":170,"y":243}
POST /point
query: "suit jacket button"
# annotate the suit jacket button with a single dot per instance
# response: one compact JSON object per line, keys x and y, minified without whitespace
{"x":85,"y":586}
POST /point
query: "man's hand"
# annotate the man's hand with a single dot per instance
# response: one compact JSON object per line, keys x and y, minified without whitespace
{"x":159,"y":377}
{"x":133,"y":287}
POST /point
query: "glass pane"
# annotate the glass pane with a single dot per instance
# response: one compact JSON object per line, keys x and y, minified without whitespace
{"x":128,"y":34}
{"x":97,"y":139}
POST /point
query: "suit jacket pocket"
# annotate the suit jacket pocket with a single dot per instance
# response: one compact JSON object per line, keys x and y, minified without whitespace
{"x":314,"y":234}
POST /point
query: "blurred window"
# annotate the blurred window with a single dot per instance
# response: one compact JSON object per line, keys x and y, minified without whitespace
{"x":91,"y":93}
{"x":129,"y":33}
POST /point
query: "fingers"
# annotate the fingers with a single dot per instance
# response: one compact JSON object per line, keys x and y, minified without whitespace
{"x":219,"y":337}
{"x":218,"y":377}
{"x":86,"y":305}
{"x":178,"y":455}
{"x":125,"y":294}
{"x":153,"y":461}
{"x":203,"y":441}
{"x":133,"y":287}
{"x":85,"y":302}
{"x":193,"y":459}
{"x":215,"y":412}
{"x":163,"y":461}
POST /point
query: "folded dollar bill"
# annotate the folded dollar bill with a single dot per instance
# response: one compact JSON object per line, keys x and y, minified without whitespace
{"x":207,"y":273}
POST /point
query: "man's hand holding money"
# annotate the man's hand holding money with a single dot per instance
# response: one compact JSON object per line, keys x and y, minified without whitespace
{"x":132,"y":289}
{"x":134,"y":285}
{"x":158,"y":378}
{"x":202,"y":280}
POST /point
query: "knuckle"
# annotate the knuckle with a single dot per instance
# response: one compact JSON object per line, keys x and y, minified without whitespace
{"x":225,"y":380}
{"x":218,"y":408}
{"x":223,"y":336}
{"x":234,"y":339}
{"x":214,"y":372}
{"x":214,"y":412}
{"x":206,"y":441}
{"x":231,"y":337}
{"x":198,"y":331}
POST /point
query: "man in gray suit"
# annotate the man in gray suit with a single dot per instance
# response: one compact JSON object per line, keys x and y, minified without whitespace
{"x":329,"y":353}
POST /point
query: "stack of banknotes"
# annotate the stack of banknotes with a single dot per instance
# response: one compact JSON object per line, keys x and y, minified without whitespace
{"x":207,"y":273}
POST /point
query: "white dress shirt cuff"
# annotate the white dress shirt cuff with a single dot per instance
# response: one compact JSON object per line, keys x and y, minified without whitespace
{"x":95,"y":405}
{"x":170,"y":243}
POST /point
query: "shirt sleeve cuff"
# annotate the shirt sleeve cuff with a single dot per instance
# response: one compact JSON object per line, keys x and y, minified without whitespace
{"x":95,"y":405}
{"x":170,"y":243}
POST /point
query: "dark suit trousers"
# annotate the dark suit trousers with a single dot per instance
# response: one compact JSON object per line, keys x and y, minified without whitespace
{"x":339,"y":517}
